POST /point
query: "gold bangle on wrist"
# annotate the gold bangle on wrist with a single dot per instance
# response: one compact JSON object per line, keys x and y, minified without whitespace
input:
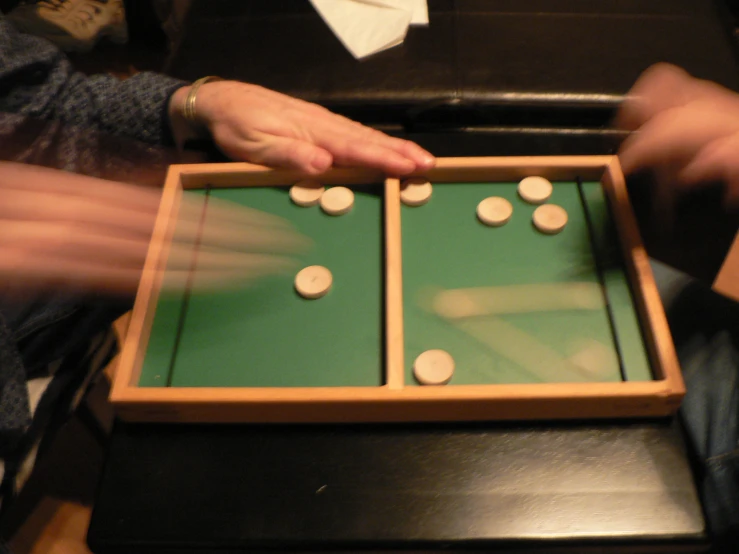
{"x":188,"y":110}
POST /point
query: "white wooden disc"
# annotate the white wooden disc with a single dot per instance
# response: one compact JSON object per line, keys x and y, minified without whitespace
{"x":415,"y":191}
{"x":306,"y":193}
{"x":337,"y":201}
{"x":535,"y":190}
{"x":494,"y":211}
{"x":313,"y":281}
{"x":550,"y":219}
{"x":434,"y":367}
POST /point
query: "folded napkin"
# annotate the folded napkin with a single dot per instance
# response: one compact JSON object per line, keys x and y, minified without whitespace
{"x":366,"y":27}
{"x":419,"y":9}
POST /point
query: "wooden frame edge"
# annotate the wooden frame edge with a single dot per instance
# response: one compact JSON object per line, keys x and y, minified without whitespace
{"x":541,"y":391}
{"x":227,"y":174}
{"x":131,"y":357}
{"x":517,"y":167}
{"x":726,"y":281}
{"x":649,"y":398}
{"x":381,"y":405}
{"x":394,"y":332}
{"x":648,"y":301}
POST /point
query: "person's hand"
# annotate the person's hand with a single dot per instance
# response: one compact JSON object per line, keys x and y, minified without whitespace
{"x":254,"y":124}
{"x":685,"y":130}
{"x":60,"y":230}
{"x":682,"y":160}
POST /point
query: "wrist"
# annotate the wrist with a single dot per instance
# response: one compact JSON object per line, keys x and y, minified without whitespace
{"x":181,"y":129}
{"x":185,"y":121}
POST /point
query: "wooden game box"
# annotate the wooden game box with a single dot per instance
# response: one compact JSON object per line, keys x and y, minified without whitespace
{"x":409,"y":249}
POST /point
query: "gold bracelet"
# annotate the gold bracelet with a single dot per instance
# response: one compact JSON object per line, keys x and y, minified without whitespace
{"x":188,"y":110}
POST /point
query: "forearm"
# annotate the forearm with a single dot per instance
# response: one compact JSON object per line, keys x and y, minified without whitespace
{"x":136,"y":107}
{"x":37,"y":80}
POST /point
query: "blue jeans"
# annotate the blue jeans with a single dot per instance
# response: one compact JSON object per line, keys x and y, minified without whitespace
{"x":705,"y":329}
{"x":46,"y":328}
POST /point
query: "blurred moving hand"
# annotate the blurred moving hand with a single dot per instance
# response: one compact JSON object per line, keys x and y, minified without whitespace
{"x":254,"y":124}
{"x":687,"y":130}
{"x":61,"y":230}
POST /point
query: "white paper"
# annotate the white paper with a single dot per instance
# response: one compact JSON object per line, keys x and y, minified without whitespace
{"x":365,"y":27}
{"x":419,"y":9}
{"x":420,"y":13}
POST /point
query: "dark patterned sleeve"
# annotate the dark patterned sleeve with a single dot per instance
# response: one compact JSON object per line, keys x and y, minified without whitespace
{"x":37,"y":80}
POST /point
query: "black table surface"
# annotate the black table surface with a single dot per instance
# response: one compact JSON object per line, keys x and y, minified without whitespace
{"x":475,"y":54}
{"x":557,"y":487}
{"x":564,"y":487}
{"x":487,"y":77}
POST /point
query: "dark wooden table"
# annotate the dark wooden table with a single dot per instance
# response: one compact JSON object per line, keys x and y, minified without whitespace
{"x":564,"y":487}
{"x":562,"y":58}
{"x":622,"y":487}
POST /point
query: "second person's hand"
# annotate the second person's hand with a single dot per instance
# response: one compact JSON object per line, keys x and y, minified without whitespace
{"x":685,"y":130}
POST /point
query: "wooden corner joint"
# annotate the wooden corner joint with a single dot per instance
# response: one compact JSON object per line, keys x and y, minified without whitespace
{"x":727,"y":280}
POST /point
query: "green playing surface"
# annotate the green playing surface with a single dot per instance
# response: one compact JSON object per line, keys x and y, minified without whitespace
{"x":446,"y":247}
{"x":268,"y":336}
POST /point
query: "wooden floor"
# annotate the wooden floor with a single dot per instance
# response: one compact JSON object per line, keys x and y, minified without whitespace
{"x":52,"y":514}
